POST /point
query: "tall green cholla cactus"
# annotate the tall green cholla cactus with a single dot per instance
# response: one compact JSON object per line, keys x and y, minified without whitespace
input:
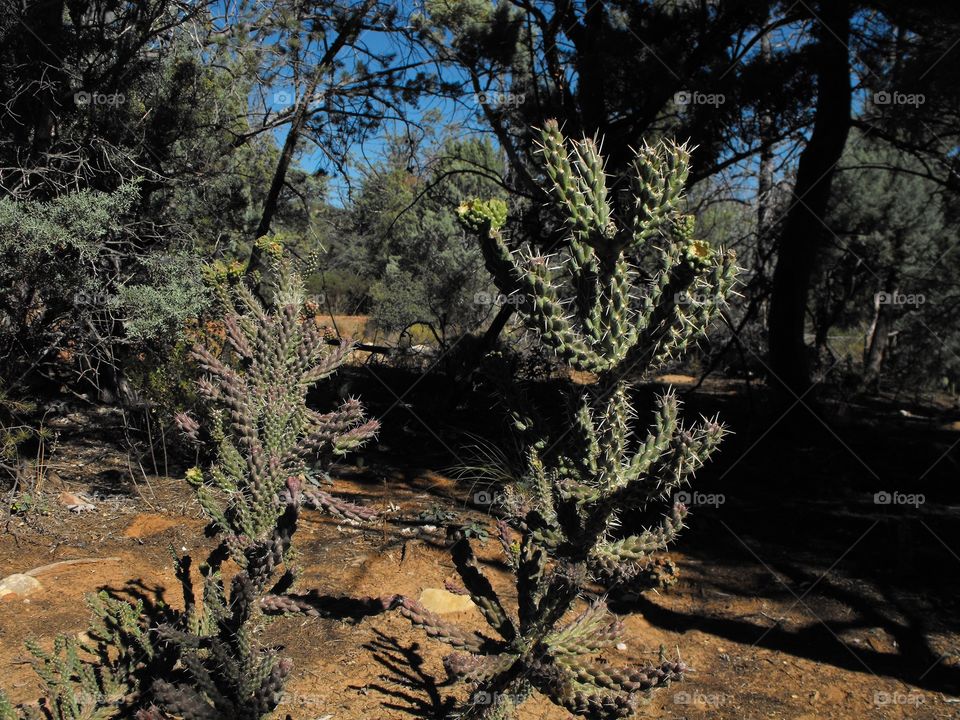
{"x":268,"y":441}
{"x":631,"y":289}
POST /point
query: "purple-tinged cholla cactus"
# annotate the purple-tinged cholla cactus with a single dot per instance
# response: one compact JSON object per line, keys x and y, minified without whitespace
{"x":268,"y":440}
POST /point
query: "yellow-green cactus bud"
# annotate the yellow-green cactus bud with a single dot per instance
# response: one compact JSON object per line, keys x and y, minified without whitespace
{"x":194,"y":476}
{"x":699,"y":252}
{"x":685,"y":225}
{"x":219,"y":273}
{"x":270,"y":246}
{"x":475,"y":214}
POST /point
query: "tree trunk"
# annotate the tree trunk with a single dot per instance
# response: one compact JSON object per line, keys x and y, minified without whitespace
{"x":765,"y":179}
{"x":803,"y":229}
{"x":30,"y":116}
{"x":878,"y":337}
{"x":486,"y":343}
{"x":301,"y":114}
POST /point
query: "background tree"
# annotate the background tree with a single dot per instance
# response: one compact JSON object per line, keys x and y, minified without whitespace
{"x":429,"y":271}
{"x":325,"y":72}
{"x":119,"y":99}
{"x":887,"y":268}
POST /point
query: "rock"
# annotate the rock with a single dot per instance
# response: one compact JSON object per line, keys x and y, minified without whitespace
{"x":19,"y":584}
{"x":834,"y":696}
{"x":422,"y":351}
{"x":443,"y":601}
{"x":76,"y":503}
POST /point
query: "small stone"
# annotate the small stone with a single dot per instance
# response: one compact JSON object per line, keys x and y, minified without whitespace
{"x":443,"y":601}
{"x":19,"y":584}
{"x":621,"y":646}
{"x":76,"y":502}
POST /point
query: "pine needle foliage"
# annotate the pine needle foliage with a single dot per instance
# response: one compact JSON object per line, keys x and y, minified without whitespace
{"x":631,"y":289}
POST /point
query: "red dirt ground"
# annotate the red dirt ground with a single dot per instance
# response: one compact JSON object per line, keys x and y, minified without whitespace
{"x":382,"y":668}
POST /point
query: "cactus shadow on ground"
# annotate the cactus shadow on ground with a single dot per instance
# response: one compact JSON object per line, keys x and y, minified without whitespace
{"x":422,"y":696}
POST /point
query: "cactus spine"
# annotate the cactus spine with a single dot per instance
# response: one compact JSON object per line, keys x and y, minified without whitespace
{"x":630,"y":290}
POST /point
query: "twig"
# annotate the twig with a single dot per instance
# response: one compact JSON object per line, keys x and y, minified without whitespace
{"x":153,"y":455}
{"x":64,"y":563}
{"x":163,"y":445}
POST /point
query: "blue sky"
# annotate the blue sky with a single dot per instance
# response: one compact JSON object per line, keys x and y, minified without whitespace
{"x":373,"y":149}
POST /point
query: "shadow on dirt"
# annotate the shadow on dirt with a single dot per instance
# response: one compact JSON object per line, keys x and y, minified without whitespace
{"x":846,"y":512}
{"x":845,"y":524}
{"x":421,"y":695}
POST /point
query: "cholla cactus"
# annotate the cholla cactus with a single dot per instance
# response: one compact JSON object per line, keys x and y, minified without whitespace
{"x":203,"y":663}
{"x":118,"y":637}
{"x":629,"y":291}
{"x":7,"y":711}
{"x":268,"y":438}
{"x":228,"y":675}
{"x":80,"y":683}
{"x":94,"y":675}
{"x":267,"y":434}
